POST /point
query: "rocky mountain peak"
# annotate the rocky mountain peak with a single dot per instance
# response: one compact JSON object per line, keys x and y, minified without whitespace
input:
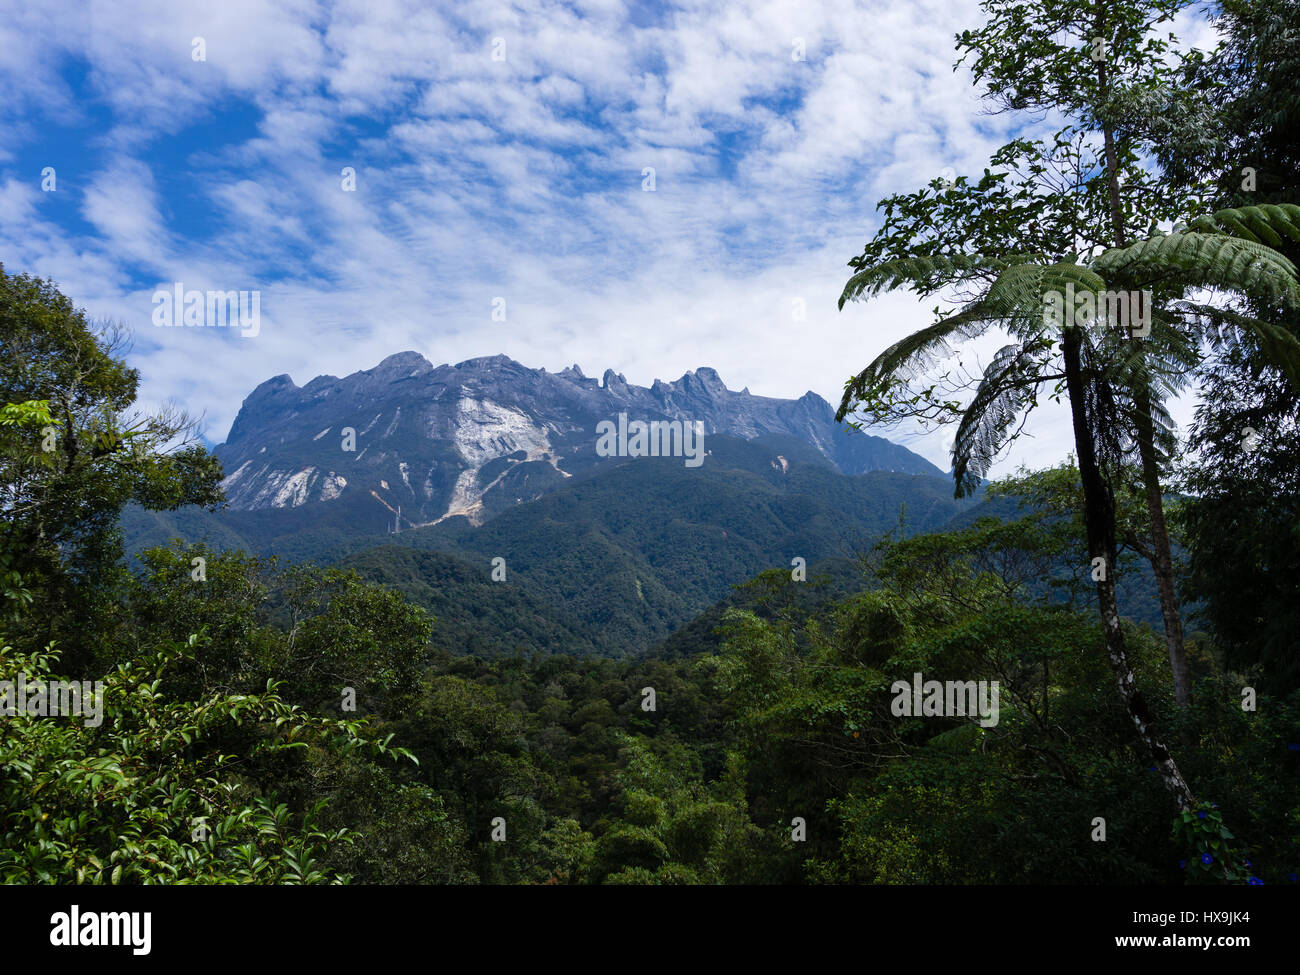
{"x":402,"y":364}
{"x":488,"y":433}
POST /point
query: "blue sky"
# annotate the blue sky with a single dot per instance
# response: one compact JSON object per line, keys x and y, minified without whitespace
{"x":518,"y":176}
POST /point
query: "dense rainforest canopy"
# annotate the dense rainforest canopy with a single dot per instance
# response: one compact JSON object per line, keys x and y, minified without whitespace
{"x":272,"y":720}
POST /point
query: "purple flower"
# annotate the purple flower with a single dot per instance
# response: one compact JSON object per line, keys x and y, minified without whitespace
{"x":1206,"y":859}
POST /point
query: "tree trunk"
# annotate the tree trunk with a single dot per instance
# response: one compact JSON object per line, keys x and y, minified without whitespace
{"x":1162,"y":561}
{"x":1099,"y":521}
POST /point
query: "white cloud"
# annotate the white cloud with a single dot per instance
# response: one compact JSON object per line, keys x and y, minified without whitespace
{"x":478,"y":178}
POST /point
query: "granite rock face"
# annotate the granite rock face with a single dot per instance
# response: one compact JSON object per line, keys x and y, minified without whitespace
{"x":485,"y":434}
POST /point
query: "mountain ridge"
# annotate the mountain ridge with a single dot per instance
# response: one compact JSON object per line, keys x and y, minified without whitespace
{"x":412,"y":443}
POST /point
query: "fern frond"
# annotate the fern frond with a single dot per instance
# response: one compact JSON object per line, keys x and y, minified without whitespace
{"x":1162,"y":361}
{"x":1267,"y":223}
{"x":909,"y":355}
{"x":923,"y":274}
{"x":1194,"y":259}
{"x":1008,"y":386}
{"x":1280,"y":346}
{"x":1015,"y":302}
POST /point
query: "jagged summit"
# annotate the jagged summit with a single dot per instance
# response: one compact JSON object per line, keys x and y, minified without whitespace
{"x":703,"y":380}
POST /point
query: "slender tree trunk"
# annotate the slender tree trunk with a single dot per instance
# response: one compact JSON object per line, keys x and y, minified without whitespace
{"x":1112,"y":185}
{"x":1162,"y":560}
{"x":1099,"y":520}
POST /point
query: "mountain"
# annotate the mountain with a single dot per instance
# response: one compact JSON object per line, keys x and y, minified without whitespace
{"x":605,"y":552}
{"x":603,"y":555}
{"x":484,"y":435}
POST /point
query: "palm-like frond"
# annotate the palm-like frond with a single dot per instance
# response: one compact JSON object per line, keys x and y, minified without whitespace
{"x":1018,"y":296}
{"x":1268,"y":223}
{"x":1138,"y":377}
{"x":923,"y":273}
{"x":1195,"y":259}
{"x":1280,"y":346}
{"x":1231,"y":250}
{"x":909,"y":355}
{"x":1014,"y":302}
{"x":1161,"y":362}
{"x":1008,"y":385}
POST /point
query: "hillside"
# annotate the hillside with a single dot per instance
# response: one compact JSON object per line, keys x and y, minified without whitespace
{"x":610,"y":562}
